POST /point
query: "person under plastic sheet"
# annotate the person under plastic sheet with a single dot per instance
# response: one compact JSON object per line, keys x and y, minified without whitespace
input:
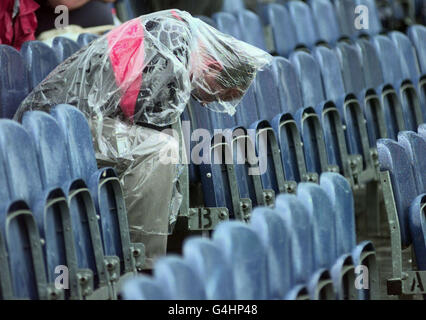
{"x":136,"y":80}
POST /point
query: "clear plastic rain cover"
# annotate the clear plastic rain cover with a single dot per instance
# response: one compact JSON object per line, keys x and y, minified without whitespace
{"x":144,"y":72}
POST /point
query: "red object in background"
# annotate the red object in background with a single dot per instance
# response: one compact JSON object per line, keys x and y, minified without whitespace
{"x":15,"y":30}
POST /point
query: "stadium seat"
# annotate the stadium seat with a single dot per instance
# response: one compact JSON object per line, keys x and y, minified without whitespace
{"x":410,"y":66}
{"x":51,"y":175}
{"x":374,"y":24}
{"x":284,"y":124}
{"x":303,"y":22}
{"x":228,"y":23}
{"x":13,"y":81}
{"x":350,"y":254}
{"x":316,"y":282}
{"x":325,"y":20}
{"x":393,"y":158}
{"x":246,"y":255}
{"x":233,"y":6}
{"x":209,"y":263}
{"x":378,"y":100}
{"x":177,"y":279}
{"x":251,"y":29}
{"x":85,"y":38}
{"x":345,"y":11}
{"x":64,"y":48}
{"x":40,"y":60}
{"x":20,"y":185}
{"x":276,"y":237}
{"x":417,"y":34}
{"x":393,"y":74}
{"x":281,"y":34}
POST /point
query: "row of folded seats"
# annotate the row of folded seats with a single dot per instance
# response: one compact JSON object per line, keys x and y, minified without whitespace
{"x":23,"y":71}
{"x":303,"y":248}
{"x":314,"y":112}
{"x":58,"y":210}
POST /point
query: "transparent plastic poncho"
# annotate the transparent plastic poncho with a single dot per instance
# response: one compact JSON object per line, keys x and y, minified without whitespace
{"x":144,"y":72}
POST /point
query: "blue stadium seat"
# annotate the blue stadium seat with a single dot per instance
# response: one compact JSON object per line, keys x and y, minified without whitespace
{"x":251,"y":29}
{"x":246,"y":254}
{"x":320,"y":211}
{"x":417,"y":222}
{"x":233,"y":6}
{"x":20,"y":188}
{"x":345,"y":11}
{"x":211,"y":266}
{"x":417,"y":34}
{"x":40,"y":60}
{"x":276,"y":237}
{"x":228,"y":23}
{"x":303,"y":22}
{"x":86,"y":38}
{"x":53,"y":173}
{"x":325,"y":20}
{"x":143,"y":288}
{"x":306,"y":118}
{"x":317,"y":282}
{"x":13,"y":81}
{"x":103,"y":184}
{"x":393,"y":158}
{"x":296,"y":216}
{"x":64,"y":47}
{"x":410,"y":66}
{"x":178,"y":280}
{"x":415,"y":148}
{"x":350,"y":254}
{"x":215,"y":178}
{"x":378,"y":100}
{"x":284,"y":125}
{"x":374,"y":24}
{"x":393,"y":74}
{"x":280,"y":28}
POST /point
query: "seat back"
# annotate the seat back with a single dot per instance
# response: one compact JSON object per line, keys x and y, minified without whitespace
{"x":417,"y":34}
{"x":281,"y":28}
{"x":276,"y":237}
{"x":13,"y":81}
{"x":326,"y":20}
{"x":178,"y":280}
{"x":228,"y":23}
{"x":64,"y":48}
{"x":78,"y":140}
{"x":251,"y":29}
{"x":210,"y":264}
{"x":374,"y":24}
{"x":309,"y":75}
{"x":40,"y":60}
{"x":345,"y":11}
{"x":246,"y":254}
{"x":321,"y":213}
{"x":340,"y":194}
{"x":415,"y":148}
{"x":86,"y":38}
{"x":297,"y":217}
{"x":392,"y":157}
{"x":305,"y":27}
